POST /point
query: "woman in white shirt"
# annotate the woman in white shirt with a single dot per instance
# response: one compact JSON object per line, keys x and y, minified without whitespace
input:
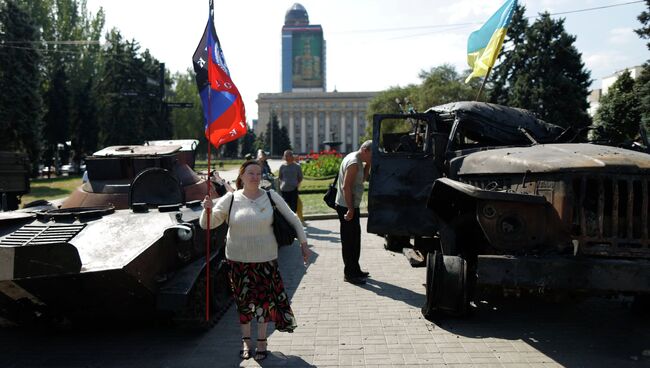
{"x":252,"y":252}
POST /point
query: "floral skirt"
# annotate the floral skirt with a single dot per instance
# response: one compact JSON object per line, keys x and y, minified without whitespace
{"x":259,"y":294}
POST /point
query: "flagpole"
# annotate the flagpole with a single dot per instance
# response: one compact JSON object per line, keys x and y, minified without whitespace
{"x":209,"y":213}
{"x":478,"y":96}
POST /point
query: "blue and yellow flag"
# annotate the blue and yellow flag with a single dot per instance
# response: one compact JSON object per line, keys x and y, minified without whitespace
{"x":483,"y":46}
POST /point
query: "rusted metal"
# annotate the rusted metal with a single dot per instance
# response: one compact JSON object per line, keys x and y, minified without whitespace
{"x":630,"y":210}
{"x":581,"y":205}
{"x":89,"y":258}
{"x":644,"y":210}
{"x":615,"y":197}
{"x":601,"y":207}
{"x":553,"y":273}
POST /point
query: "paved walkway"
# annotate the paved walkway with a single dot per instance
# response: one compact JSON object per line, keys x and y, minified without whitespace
{"x":380,"y":325}
{"x":374,"y":325}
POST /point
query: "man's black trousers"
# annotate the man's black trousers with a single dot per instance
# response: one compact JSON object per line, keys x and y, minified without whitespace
{"x":292,"y":199}
{"x":350,"y":242}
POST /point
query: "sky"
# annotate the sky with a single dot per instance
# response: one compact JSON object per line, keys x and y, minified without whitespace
{"x":371,"y":45}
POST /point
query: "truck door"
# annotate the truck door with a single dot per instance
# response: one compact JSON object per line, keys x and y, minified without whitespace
{"x":402,"y":173}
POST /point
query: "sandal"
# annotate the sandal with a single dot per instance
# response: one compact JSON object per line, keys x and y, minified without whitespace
{"x":261,"y":354}
{"x":245,"y":353}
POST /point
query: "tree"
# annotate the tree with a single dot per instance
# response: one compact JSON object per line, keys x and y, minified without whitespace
{"x":618,"y":117}
{"x":57,"y":117}
{"x":440,"y":85}
{"x":276,"y":138}
{"x":68,"y":69}
{"x":231,"y":149}
{"x":511,"y":58}
{"x":248,"y":143}
{"x":188,"y":123}
{"x":129,"y":107}
{"x":644,"y":18}
{"x":443,"y":84}
{"x":20,"y":101}
{"x":642,"y":86}
{"x":547,"y":65}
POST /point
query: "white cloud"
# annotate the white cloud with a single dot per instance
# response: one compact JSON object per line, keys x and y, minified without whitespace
{"x":621,"y":36}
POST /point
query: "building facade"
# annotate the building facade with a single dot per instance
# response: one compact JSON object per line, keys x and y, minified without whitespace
{"x":596,"y":94}
{"x":312,"y":118}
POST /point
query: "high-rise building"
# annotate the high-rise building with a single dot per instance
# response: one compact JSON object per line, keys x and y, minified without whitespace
{"x":314,"y":118}
{"x":303,"y":53}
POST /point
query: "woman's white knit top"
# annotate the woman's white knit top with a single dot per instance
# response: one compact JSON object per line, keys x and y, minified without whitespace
{"x":250,"y":236}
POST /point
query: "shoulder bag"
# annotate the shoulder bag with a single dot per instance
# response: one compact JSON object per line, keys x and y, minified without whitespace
{"x":282,"y":229}
{"x":330,"y":195}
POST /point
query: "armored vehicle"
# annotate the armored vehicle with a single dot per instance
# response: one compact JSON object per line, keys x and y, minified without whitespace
{"x":498,"y":199}
{"x":125,"y":245}
{"x":14,"y":179}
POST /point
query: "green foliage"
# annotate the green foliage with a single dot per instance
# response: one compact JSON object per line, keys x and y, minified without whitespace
{"x":440,"y":85}
{"x":276,"y":142}
{"x":188,"y":123}
{"x":57,"y":117}
{"x":644,"y":18}
{"x":511,"y":58}
{"x":443,"y":84}
{"x":20,"y":100}
{"x":130,"y":108}
{"x":248,"y":143}
{"x":617,"y":119}
{"x":325,"y":165}
{"x":642,"y":92}
{"x":545,"y":66}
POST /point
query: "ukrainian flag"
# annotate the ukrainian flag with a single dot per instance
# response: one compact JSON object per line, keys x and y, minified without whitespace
{"x":483,"y":46}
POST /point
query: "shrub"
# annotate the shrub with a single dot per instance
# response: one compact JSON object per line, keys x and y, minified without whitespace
{"x":322,"y":164}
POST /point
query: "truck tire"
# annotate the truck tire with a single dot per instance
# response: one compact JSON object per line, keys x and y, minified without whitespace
{"x":447,"y":292}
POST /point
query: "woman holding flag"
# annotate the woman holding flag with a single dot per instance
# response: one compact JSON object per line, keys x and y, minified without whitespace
{"x":251,"y":247}
{"x":252,"y":252}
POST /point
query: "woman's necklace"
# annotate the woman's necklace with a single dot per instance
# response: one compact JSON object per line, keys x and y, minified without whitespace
{"x":254,"y":203}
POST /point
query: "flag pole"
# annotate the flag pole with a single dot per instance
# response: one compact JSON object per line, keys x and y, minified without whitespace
{"x":209,"y":213}
{"x":478,"y":96}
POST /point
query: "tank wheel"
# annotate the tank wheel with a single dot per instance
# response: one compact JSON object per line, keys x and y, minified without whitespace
{"x":193,"y":316}
{"x":395,"y":243}
{"x":447,"y":291}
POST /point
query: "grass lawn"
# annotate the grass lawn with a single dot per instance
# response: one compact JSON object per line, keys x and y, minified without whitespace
{"x":312,"y":203}
{"x":62,"y":187}
{"x":51,"y":188}
{"x":219,"y":164}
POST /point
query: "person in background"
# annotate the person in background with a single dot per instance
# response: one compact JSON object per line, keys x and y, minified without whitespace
{"x":267,"y":175}
{"x":252,"y":252}
{"x":354,"y":170}
{"x":262,"y":159}
{"x":290,"y":177}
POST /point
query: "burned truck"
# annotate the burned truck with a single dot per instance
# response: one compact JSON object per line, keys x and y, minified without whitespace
{"x":124,"y":246}
{"x":498,"y":199}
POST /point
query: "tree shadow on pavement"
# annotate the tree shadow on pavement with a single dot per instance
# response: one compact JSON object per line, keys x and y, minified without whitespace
{"x":323,"y":235}
{"x":394,"y":292}
{"x":595,"y":332}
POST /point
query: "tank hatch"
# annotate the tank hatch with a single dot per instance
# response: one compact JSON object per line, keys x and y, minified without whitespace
{"x":137,"y":150}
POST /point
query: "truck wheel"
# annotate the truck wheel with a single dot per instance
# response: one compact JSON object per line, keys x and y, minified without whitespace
{"x":395,"y":243}
{"x":446,"y":286}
